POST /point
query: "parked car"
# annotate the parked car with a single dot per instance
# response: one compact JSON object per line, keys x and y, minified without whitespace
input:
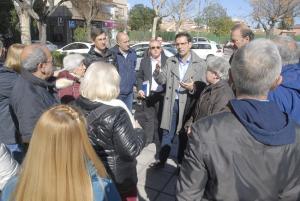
{"x":199,"y":39}
{"x":49,"y":45}
{"x":76,"y":47}
{"x":207,"y":49}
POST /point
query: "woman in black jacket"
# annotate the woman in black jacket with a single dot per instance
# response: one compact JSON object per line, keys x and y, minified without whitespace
{"x":116,"y":136}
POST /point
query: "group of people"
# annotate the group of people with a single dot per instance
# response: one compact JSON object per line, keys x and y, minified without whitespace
{"x":236,"y":121}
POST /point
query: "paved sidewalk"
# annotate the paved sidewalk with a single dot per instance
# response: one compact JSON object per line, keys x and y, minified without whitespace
{"x":156,"y":185}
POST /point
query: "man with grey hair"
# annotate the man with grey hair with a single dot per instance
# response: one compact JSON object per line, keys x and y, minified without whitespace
{"x":287,"y":95}
{"x":32,"y":93}
{"x":251,"y":151}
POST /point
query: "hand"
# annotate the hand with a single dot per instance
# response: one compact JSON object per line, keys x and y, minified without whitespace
{"x":141,"y":94}
{"x":63,"y":83}
{"x":188,"y":85}
{"x":157,"y":68}
{"x":189,"y":131}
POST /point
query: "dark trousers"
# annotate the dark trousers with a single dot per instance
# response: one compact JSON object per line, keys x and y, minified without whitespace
{"x":149,"y":116}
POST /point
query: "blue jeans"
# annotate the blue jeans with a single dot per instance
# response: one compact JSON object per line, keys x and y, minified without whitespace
{"x":127,"y":99}
{"x":168,"y":135}
{"x":17,"y":151}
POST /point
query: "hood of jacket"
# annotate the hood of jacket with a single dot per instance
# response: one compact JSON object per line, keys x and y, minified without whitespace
{"x":264,"y":121}
{"x":291,"y":76}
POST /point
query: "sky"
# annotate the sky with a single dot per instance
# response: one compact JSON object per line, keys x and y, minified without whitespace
{"x":235,"y":8}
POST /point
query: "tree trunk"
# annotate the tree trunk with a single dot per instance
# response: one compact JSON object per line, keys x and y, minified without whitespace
{"x":88,"y":29}
{"x":42,"y":26}
{"x":177,"y":26}
{"x":155,"y":21}
{"x":25,"y":27}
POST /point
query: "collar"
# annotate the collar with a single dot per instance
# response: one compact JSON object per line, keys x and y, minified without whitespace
{"x":35,"y":80}
{"x":157,"y":60}
{"x":186,"y":62}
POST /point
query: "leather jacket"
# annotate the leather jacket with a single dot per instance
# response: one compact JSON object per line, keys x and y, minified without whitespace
{"x":116,"y":142}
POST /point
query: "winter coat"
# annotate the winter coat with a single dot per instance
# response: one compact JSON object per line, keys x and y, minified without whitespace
{"x":30,"y":97}
{"x":126,"y":68}
{"x":115,"y":141}
{"x":169,"y":75}
{"x":223,"y":161}
{"x":8,"y":78}
{"x":287,"y":94}
{"x":70,"y":93}
{"x":213,"y":99}
{"x":93,"y":56}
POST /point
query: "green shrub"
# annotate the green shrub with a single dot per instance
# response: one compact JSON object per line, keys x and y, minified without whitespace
{"x":80,"y":34}
{"x":58,"y":59}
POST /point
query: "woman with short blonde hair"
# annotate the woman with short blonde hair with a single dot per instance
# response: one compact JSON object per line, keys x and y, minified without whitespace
{"x":116,"y":136}
{"x":13,"y":57}
{"x":61,"y":164}
{"x":8,"y":76}
{"x":101,"y":82}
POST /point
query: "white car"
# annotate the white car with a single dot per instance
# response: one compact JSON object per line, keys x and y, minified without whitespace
{"x":207,"y":49}
{"x":76,"y":47}
{"x":49,"y":45}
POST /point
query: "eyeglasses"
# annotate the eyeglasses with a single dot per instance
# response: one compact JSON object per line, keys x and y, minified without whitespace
{"x":155,"y":47}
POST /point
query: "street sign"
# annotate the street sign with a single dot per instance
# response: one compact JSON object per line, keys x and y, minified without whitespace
{"x":72,"y":24}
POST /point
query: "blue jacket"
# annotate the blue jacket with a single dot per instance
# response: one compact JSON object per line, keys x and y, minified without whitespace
{"x":8,"y":78}
{"x":98,"y":184}
{"x":287,"y":95}
{"x":126,"y":67}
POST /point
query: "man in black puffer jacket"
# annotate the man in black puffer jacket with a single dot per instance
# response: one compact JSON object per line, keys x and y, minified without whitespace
{"x":115,"y":136}
{"x":99,"y":51}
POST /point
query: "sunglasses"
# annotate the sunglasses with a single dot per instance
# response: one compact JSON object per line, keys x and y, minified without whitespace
{"x":155,"y":47}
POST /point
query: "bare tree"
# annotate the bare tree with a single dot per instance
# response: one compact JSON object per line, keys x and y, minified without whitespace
{"x":158,"y":6}
{"x":180,"y":11}
{"x":88,"y":9}
{"x":25,"y":10}
{"x":269,"y":12}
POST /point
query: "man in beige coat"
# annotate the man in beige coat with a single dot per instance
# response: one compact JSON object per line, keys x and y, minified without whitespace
{"x":178,"y":74}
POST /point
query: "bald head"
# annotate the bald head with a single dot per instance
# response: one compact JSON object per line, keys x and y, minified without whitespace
{"x":123,"y":41}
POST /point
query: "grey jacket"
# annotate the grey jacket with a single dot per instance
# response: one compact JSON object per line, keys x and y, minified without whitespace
{"x":169,"y":75}
{"x":224,"y":162}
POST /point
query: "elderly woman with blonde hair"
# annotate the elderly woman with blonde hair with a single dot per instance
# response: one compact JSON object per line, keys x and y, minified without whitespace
{"x":61,"y":164}
{"x":116,"y":136}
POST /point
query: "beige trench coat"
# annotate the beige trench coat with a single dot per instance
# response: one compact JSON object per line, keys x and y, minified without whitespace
{"x":169,"y":75}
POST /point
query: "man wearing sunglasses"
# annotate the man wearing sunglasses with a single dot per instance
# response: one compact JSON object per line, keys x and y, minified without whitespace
{"x":178,"y":75}
{"x":152,"y":102}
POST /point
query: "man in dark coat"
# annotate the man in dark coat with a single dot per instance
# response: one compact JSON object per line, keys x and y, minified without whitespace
{"x":152,"y":102}
{"x":251,"y":151}
{"x":126,"y":63}
{"x":32,"y":93}
{"x":99,"y":51}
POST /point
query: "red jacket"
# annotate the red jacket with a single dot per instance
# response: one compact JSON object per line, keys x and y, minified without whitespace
{"x":69,"y":93}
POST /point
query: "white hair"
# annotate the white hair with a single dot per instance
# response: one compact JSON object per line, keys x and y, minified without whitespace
{"x":72,"y":61}
{"x":255,"y":67}
{"x":218,"y":65}
{"x":287,"y":47}
{"x":101,"y":81}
